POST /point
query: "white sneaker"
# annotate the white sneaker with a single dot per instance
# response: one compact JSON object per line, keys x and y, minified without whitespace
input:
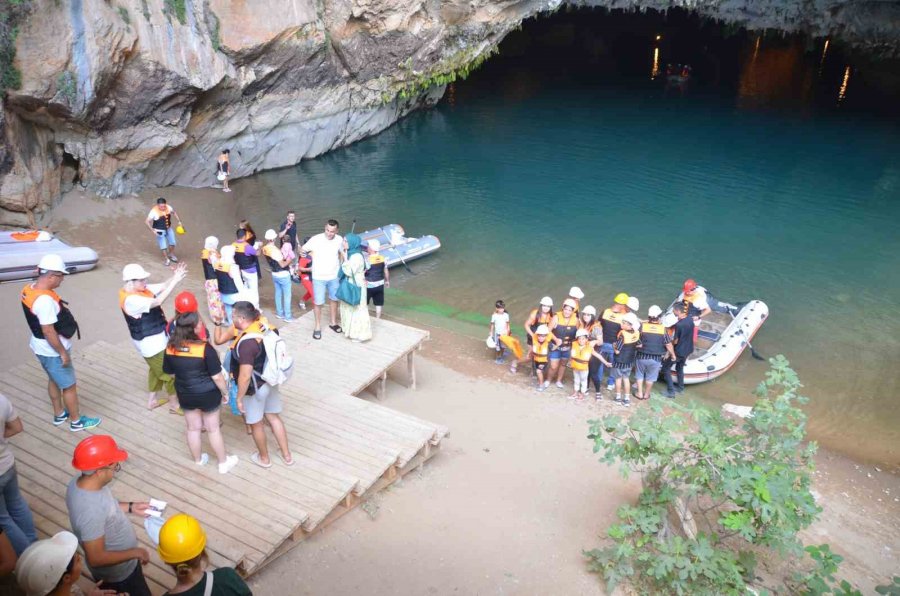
{"x":226,"y":466}
{"x":546,"y":384}
{"x":560,"y":385}
{"x":204,"y":459}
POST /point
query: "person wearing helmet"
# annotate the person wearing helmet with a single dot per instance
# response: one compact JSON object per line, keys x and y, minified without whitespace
{"x":541,"y":352}
{"x":562,"y":330}
{"x":52,"y":329}
{"x":654,"y":344}
{"x":594,"y":330}
{"x":50,"y":567}
{"x":159,"y":221}
{"x":99,"y":520}
{"x":378,"y":277}
{"x":625,"y":350}
{"x":581,"y":358}
{"x":231,"y":284}
{"x":281,"y":276}
{"x":182,"y":546}
{"x":611,"y":324}
{"x":16,"y":521}
{"x":247,"y":259}
{"x":699,"y":302}
{"x":576,"y":294}
{"x":186,"y":302}
{"x":141,"y":305}
{"x":683,"y":340}
{"x":633,"y":304}
{"x":542,"y":315}
{"x":500,"y":327}
{"x":209,"y":258}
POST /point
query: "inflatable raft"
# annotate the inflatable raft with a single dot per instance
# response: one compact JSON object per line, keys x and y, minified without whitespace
{"x":20,"y":252}
{"x":720,"y":341}
{"x":396,"y":247}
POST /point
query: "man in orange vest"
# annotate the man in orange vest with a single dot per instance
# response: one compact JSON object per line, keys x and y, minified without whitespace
{"x":52,"y":329}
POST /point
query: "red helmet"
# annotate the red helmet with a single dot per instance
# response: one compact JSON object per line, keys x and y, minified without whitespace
{"x":690,"y":285}
{"x":185,"y":302}
{"x":97,"y":451}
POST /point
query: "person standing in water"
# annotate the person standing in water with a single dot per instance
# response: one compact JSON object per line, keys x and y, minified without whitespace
{"x":223,"y":166}
{"x":159,"y":220}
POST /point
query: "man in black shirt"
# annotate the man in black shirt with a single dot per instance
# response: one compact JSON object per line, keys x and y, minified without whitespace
{"x":683,"y":340}
{"x":288,"y":231}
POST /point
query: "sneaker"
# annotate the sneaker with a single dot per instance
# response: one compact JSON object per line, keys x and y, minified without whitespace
{"x":618,"y":397}
{"x":560,"y":385}
{"x":610,"y":388}
{"x":226,"y":466}
{"x":540,"y":388}
{"x":168,"y":262}
{"x":670,"y":394}
{"x":278,"y":316}
{"x":546,"y":384}
{"x":626,"y":402}
{"x":679,"y":390}
{"x":289,"y":319}
{"x":173,"y":258}
{"x":598,"y":396}
{"x":83,"y":423}
{"x":204,"y":459}
{"x":499,"y":361}
{"x":302,"y":305}
{"x":57,"y":420}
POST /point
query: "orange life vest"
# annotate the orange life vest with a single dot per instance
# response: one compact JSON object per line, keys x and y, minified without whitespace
{"x":541,"y":350}
{"x":581,"y":355}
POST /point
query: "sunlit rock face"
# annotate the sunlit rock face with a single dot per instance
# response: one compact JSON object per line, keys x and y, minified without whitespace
{"x":119,"y":95}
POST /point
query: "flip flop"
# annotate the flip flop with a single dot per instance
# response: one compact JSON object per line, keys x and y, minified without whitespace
{"x":336,"y":328}
{"x":287,"y":462}
{"x":317,"y":334}
{"x":156,"y":402}
{"x":176,"y":411}
{"x":255,"y":459}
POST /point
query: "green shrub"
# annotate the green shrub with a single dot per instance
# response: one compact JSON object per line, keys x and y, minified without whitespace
{"x":176,"y":8}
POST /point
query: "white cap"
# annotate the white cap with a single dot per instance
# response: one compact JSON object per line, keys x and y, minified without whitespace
{"x":633,"y":303}
{"x":570,"y":302}
{"x":134,"y":271}
{"x":542,"y":330}
{"x":271,"y":234}
{"x":654,"y":311}
{"x":576,"y":292}
{"x":669,"y":320}
{"x":546,"y":301}
{"x":42,"y":565}
{"x":581,"y":333}
{"x":633,"y":320}
{"x":52,"y":263}
{"x":374,"y":244}
{"x":589,"y":310}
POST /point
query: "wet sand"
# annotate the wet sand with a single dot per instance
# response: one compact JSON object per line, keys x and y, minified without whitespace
{"x":515,"y":493}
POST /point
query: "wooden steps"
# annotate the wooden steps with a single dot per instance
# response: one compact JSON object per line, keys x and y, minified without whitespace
{"x":345,"y":448}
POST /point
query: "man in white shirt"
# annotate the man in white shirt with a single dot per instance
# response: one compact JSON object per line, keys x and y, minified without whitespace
{"x":52,"y":328}
{"x":141,"y":304}
{"x":326,"y":249}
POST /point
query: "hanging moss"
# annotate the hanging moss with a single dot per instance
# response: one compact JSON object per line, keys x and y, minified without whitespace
{"x":12,"y":14}
{"x":447,"y":71}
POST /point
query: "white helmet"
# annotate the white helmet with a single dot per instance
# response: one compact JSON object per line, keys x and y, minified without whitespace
{"x":632,"y":320}
{"x":134,"y":271}
{"x":374,"y":244}
{"x":546,"y":301}
{"x":576,"y":293}
{"x":569,"y":302}
{"x":669,"y":320}
{"x":542,"y":330}
{"x":589,"y":310}
{"x":490,"y":342}
{"x":42,"y":565}
{"x":633,"y":303}
{"x":581,"y":333}
{"x":52,"y":263}
{"x":654,"y":311}
{"x":271,"y":234}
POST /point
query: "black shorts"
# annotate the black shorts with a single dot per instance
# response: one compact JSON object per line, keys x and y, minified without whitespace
{"x":375,"y":295}
{"x":207,"y":402}
{"x":541,"y":366}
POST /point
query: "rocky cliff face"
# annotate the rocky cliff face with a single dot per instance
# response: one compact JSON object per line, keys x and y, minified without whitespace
{"x":116,"y":95}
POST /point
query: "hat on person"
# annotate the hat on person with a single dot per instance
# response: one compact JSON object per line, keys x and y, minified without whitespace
{"x":689,"y":285}
{"x":621,"y":298}
{"x":52,"y":263}
{"x":570,"y":303}
{"x":42,"y":565}
{"x":546,"y":301}
{"x":581,"y":333}
{"x":633,"y":303}
{"x":97,"y":451}
{"x":271,"y":234}
{"x":181,"y":539}
{"x":670,"y":320}
{"x":542,"y":330}
{"x":589,"y":310}
{"x":632,"y":320}
{"x":134,"y":271}
{"x":576,"y":293}
{"x":211,"y":243}
{"x":654,"y":311}
{"x":374,"y":244}
{"x":185,"y":302}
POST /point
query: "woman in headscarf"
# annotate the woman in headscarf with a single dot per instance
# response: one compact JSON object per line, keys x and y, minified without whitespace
{"x":355,"y":319}
{"x":209,"y":256}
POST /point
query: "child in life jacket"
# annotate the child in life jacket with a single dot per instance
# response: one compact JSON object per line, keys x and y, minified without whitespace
{"x":540,"y":350}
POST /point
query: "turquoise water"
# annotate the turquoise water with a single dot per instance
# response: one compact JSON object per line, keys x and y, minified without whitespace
{"x":537,"y":183}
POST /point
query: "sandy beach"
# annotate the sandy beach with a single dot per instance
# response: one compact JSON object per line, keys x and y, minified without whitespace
{"x":515,"y":492}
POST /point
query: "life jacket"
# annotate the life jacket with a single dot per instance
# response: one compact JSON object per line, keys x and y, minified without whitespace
{"x":375,"y":272}
{"x":163,"y":219}
{"x":150,"y":323}
{"x":541,"y":350}
{"x":259,"y":362}
{"x":611,"y":322}
{"x":627,"y":352}
{"x":226,"y":283}
{"x":581,"y":356}
{"x":565,"y":329}
{"x":540,"y":318}
{"x":274,"y":264}
{"x":653,"y":339}
{"x":209,"y":271}
{"x":241,"y":258}
{"x":689,"y":299}
{"x":65,"y":324}
{"x":191,"y":373}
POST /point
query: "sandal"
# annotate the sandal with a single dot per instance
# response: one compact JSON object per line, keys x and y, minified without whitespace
{"x":317,"y":334}
{"x":255,"y":459}
{"x":156,"y":402}
{"x":336,"y":328}
{"x":176,"y":411}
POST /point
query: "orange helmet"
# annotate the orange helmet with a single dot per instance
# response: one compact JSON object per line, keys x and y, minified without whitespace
{"x":689,"y":285}
{"x":185,"y":302}
{"x":97,"y":451}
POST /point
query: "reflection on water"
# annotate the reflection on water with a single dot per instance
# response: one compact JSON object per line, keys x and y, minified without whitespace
{"x":654,"y":70}
{"x":775,"y":74}
{"x":842,"y":92}
{"x":824,"y":53}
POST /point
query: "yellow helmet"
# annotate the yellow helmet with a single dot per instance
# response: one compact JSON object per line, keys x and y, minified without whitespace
{"x":181,"y":539}
{"x":621,"y":298}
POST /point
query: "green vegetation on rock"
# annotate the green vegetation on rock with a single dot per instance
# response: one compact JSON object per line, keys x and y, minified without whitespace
{"x":449,"y":70}
{"x":65,"y":86}
{"x":12,"y":13}
{"x":176,"y":8}
{"x":123,"y":12}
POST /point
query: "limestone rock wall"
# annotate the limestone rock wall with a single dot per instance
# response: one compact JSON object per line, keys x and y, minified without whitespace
{"x":120,"y":94}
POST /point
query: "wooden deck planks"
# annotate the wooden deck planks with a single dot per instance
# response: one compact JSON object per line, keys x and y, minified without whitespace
{"x":345,"y":448}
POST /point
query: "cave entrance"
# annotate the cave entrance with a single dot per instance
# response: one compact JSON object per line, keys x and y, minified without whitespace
{"x":71,"y":170}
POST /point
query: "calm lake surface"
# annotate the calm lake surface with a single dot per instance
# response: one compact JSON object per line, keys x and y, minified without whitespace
{"x":764,"y":179}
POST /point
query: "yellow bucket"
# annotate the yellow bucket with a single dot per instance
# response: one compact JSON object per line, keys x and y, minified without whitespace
{"x":179,"y":229}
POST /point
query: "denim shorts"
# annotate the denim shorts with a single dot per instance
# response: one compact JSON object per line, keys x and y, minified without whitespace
{"x":164,"y":241}
{"x":560,"y":354}
{"x":63,"y":376}
{"x":319,"y":288}
{"x":647,"y":369}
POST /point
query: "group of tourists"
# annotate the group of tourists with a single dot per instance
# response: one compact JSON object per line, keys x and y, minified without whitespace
{"x":604,"y":350}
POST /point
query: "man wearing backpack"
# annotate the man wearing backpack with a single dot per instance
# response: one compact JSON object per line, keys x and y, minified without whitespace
{"x":250,"y":363}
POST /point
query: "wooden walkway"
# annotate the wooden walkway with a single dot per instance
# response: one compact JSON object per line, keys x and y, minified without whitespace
{"x":345,"y":448}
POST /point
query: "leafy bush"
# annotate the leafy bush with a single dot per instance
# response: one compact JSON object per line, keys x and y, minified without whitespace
{"x":715,"y":493}
{"x":12,"y":13}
